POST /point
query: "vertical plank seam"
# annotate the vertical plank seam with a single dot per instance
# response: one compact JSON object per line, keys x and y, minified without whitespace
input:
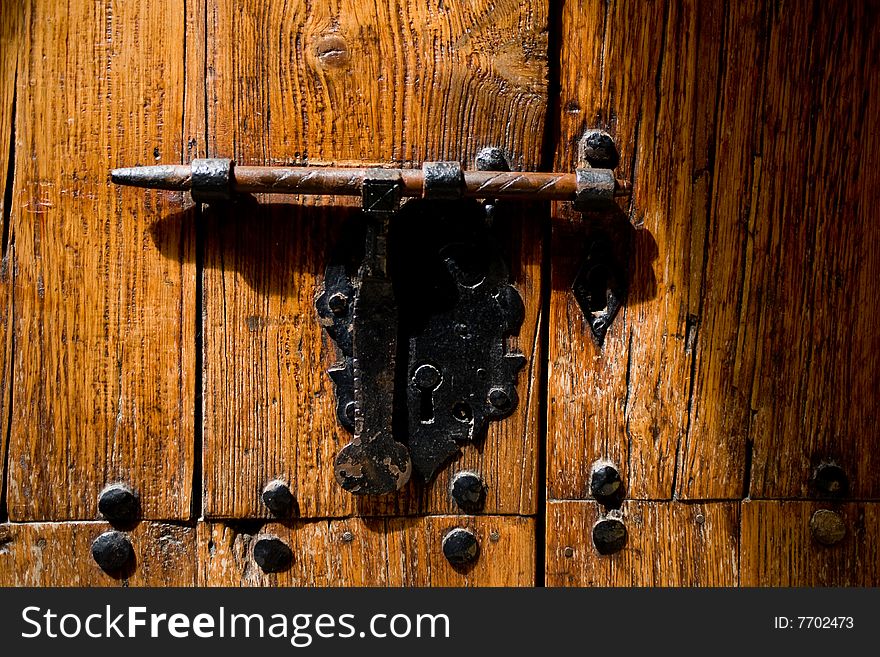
{"x":10,"y":173}
{"x":197,"y":507}
{"x":7,"y":259}
{"x":549,"y":148}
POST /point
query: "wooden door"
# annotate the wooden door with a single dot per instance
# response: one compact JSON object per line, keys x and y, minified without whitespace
{"x":175,"y":347}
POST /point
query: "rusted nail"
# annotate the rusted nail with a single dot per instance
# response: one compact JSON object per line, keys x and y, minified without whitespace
{"x":278,"y":498}
{"x":827,"y":527}
{"x":492,"y":158}
{"x":609,"y":535}
{"x":118,"y":503}
{"x":468,"y":491}
{"x":112,"y":551}
{"x":568,"y":552}
{"x":500,"y":399}
{"x":347,"y":537}
{"x":597,"y":148}
{"x":460,"y":546}
{"x":272,"y":554}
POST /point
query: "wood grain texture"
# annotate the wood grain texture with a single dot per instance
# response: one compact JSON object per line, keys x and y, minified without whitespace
{"x":59,"y":554}
{"x":779,"y":550}
{"x":10,"y":21}
{"x":378,"y":552}
{"x":749,"y":330}
{"x":816,"y":260}
{"x":668,"y":544}
{"x":103,"y":313}
{"x":351,"y":81}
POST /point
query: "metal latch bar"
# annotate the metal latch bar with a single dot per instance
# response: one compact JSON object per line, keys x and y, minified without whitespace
{"x":213,"y":178}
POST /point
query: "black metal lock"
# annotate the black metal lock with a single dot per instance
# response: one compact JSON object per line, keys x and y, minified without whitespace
{"x":420,"y":315}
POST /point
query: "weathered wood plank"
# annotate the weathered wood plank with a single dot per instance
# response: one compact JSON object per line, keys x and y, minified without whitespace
{"x":815,"y":262}
{"x":668,"y":544}
{"x":348,"y":81}
{"x":103,"y":317}
{"x":648,"y":73}
{"x":778,"y":548}
{"x":59,"y":554}
{"x":749,"y":333}
{"x":372,"y":552}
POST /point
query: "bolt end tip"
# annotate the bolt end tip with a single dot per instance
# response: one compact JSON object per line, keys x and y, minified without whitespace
{"x":121,"y":176}
{"x":171,"y":177}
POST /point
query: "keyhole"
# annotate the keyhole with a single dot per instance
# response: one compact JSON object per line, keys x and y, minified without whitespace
{"x":598,"y":288}
{"x":427,"y":379}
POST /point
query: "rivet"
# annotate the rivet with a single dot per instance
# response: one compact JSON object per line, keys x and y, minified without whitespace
{"x":118,"y":503}
{"x":568,"y":552}
{"x":278,"y":498}
{"x":494,"y":536}
{"x":347,"y":537}
{"x":699,"y":519}
{"x":605,"y":484}
{"x":500,"y":399}
{"x":272,"y":554}
{"x":827,"y":527}
{"x":338,"y":303}
{"x":597,"y":148}
{"x":460,"y":546}
{"x":426,"y":377}
{"x":468,"y":491}
{"x":492,"y":158}
{"x":830,"y":480}
{"x":112,"y":551}
{"x":609,"y":536}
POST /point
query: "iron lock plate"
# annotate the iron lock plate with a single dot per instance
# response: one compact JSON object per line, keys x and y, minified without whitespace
{"x":453,"y":309}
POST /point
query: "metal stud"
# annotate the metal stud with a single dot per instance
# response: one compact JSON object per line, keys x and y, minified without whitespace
{"x":609,"y":535}
{"x":501,"y":400}
{"x":827,"y":527}
{"x":278,"y":498}
{"x":597,"y":148}
{"x":492,"y":158}
{"x":460,"y":546}
{"x":606,"y":485}
{"x":118,"y":503}
{"x":468,"y":491}
{"x":112,"y":551}
{"x":272,"y":554}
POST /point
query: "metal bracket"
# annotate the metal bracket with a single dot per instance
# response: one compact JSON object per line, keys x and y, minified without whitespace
{"x":600,"y":286}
